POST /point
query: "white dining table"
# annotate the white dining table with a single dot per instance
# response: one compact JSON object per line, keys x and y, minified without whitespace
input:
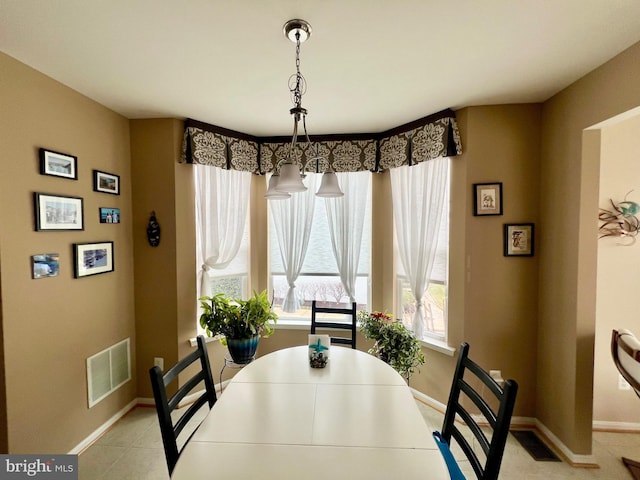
{"x":278,"y":418}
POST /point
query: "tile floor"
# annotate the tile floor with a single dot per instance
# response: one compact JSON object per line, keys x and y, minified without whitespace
{"x":132,"y":449}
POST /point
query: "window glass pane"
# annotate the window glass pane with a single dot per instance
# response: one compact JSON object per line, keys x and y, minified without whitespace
{"x":435,"y":299}
{"x":319,"y":278}
{"x":232,"y":280}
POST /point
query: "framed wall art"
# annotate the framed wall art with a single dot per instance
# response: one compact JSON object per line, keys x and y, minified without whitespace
{"x":58,"y":212}
{"x":92,"y":258}
{"x":518,"y":239}
{"x":58,"y":164}
{"x":45,"y":265}
{"x":109,"y":215}
{"x":106,"y":182}
{"x":487,"y":199}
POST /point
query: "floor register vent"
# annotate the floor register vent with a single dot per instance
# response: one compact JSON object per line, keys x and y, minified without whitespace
{"x":108,"y":370}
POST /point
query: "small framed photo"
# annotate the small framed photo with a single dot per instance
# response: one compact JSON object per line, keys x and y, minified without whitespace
{"x":487,"y":199}
{"x":518,"y":239}
{"x":106,"y":182}
{"x":45,"y":265}
{"x":58,"y":164}
{"x":109,"y":215}
{"x":58,"y":212}
{"x":92,"y":258}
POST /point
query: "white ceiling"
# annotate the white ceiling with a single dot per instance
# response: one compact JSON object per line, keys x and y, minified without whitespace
{"x":370,"y":64}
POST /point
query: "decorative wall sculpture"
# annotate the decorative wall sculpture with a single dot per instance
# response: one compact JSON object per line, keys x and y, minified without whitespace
{"x":621,"y":221}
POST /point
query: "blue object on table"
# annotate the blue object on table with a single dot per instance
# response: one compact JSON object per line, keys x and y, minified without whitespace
{"x":454,"y":469}
{"x":318,"y":347}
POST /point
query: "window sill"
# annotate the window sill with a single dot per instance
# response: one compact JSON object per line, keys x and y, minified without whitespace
{"x":431,"y":343}
{"x":438,"y":346}
{"x":194,"y":343}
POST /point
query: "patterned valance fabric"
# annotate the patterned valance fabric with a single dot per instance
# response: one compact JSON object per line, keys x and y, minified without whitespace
{"x":439,"y":138}
{"x":425,"y":139}
{"x":341,"y":155}
{"x":209,"y":146}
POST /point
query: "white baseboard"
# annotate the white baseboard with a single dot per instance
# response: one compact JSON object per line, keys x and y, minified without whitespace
{"x":95,"y":435}
{"x":576,"y":460}
{"x":625,"y":427}
{"x":103,"y":428}
{"x":427,"y":400}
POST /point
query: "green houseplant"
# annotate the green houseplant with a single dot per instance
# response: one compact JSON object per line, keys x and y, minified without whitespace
{"x":394,"y":343}
{"x":240,"y":322}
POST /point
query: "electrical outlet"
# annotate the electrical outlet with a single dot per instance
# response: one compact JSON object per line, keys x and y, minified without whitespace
{"x":159,"y":362}
{"x":623,"y":384}
{"x":497,"y":376}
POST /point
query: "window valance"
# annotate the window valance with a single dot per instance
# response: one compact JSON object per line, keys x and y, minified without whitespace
{"x":424,"y":139}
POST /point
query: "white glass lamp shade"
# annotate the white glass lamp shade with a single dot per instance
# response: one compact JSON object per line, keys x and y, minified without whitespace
{"x":290,"y":180}
{"x":273,"y":193}
{"x":329,"y":187}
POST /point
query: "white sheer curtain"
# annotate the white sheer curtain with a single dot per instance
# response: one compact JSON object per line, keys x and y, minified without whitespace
{"x":292,"y":219}
{"x":222,"y":199}
{"x":418,"y":194}
{"x":346,"y":220}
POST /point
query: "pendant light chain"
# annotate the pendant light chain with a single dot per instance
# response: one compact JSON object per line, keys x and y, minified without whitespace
{"x":297,"y":94}
{"x":288,"y":174}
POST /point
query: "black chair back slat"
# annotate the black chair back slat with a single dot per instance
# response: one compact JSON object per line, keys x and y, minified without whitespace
{"x":333,"y":325}
{"x":165,"y":405}
{"x":474,"y":428}
{"x":479,"y":402}
{"x":185,"y":390}
{"x":493,"y":446}
{"x":466,"y":448}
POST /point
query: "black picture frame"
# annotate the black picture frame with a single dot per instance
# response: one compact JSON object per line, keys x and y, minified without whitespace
{"x":58,"y":212}
{"x":45,"y":265}
{"x":58,"y":164}
{"x":487,"y":199}
{"x":106,"y":182}
{"x":519,"y":239}
{"x":109,"y":215}
{"x":92,"y":258}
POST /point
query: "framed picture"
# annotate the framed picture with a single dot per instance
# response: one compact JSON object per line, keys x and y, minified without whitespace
{"x":109,"y":215}
{"x":518,"y":239}
{"x":58,"y":212}
{"x":106,"y":182}
{"x":92,"y":258}
{"x":58,"y":164}
{"x":487,"y":199}
{"x":45,"y":265}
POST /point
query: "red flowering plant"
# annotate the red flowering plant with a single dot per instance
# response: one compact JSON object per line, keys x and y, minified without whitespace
{"x":395,"y":343}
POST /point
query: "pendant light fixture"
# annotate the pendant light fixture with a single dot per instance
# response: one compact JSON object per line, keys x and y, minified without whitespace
{"x":287,"y":178}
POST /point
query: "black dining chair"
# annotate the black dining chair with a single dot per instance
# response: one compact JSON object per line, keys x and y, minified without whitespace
{"x":171,"y":427}
{"x":337,"y":323}
{"x":625,"y":350}
{"x":468,"y":374}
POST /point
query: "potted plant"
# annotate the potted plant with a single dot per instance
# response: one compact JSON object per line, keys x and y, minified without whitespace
{"x":240,"y":322}
{"x":395,"y":343}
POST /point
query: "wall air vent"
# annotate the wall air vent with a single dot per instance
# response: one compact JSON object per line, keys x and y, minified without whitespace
{"x":107,"y":371}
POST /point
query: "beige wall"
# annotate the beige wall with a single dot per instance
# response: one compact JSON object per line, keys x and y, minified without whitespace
{"x":618,"y":273}
{"x":51,"y":325}
{"x":165,"y":286}
{"x":499,"y":321}
{"x":568,"y":206}
{"x":533,"y":318}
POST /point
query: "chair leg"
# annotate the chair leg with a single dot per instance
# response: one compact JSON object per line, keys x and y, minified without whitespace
{"x":633,"y":467}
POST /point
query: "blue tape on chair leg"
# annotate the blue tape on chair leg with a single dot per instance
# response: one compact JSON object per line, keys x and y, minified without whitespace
{"x":454,"y":469}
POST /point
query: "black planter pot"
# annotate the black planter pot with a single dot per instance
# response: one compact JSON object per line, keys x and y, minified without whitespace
{"x":242,"y":350}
